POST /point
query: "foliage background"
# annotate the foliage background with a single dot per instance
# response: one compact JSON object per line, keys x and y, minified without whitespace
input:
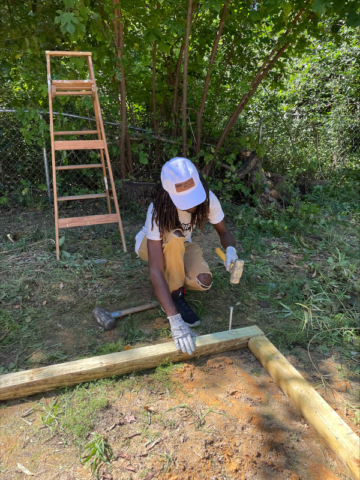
{"x":308,"y":103}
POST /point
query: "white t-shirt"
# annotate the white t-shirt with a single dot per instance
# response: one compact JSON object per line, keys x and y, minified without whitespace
{"x":216,"y":215}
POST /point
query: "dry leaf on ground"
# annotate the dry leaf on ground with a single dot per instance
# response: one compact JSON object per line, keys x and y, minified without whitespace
{"x":25,"y":470}
{"x":129,"y":417}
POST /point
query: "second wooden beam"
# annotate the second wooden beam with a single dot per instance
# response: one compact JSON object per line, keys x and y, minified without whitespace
{"x":326,"y":422}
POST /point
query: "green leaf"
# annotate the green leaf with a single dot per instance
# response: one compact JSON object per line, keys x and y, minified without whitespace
{"x":164,"y":47}
{"x":319,"y":7}
{"x":61,"y":241}
{"x":143,"y":158}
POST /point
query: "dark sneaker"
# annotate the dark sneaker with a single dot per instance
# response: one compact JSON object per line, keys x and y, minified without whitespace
{"x":187,"y":313}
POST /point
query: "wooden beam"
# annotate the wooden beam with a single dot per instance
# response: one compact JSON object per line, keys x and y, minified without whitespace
{"x":29,"y":382}
{"x":326,"y":422}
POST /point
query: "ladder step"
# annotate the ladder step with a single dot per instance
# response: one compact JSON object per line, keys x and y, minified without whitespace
{"x":90,"y":220}
{"x":81,"y":197}
{"x":78,"y":132}
{"x":79,"y":145}
{"x":76,"y":92}
{"x":73,"y":83}
{"x":74,"y":167}
{"x":56,"y":53}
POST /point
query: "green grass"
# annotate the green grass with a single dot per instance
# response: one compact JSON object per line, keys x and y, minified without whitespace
{"x":75,"y":413}
{"x":113,"y":347}
{"x":45,"y":312}
{"x":95,"y":453}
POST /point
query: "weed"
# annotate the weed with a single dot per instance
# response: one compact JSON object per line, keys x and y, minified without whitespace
{"x":163,"y":373}
{"x":95,"y":453}
{"x":113,"y":347}
{"x":51,"y":417}
{"x":74,"y":412}
{"x":168,"y":460}
{"x":199,"y":416}
{"x":164,"y":333}
{"x":130,"y":328}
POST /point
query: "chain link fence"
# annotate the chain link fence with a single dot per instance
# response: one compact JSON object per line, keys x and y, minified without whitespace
{"x":25,"y":158}
{"x":26,"y":164}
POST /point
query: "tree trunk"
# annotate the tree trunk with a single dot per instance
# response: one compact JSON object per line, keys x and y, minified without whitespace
{"x":154,"y":104}
{"x":176,"y":90}
{"x":199,"y":114}
{"x":168,"y":69}
{"x":119,"y":47}
{"x":268,"y":64}
{"x":184,"y":99}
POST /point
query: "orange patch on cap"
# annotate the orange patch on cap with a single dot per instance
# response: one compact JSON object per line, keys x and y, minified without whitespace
{"x":183,"y":186}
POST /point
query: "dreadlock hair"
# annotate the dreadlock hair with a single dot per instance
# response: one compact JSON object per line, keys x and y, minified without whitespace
{"x":165,"y":214}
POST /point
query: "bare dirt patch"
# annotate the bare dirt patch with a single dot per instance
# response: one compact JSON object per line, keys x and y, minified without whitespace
{"x":212,"y":418}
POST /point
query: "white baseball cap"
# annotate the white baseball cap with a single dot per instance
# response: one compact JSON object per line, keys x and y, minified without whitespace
{"x":180,"y":178}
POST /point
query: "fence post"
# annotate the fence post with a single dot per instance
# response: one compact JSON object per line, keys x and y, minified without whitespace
{"x":46,"y":165}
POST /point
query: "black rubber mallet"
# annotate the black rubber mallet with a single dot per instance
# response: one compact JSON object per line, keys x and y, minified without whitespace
{"x":107,"y":319}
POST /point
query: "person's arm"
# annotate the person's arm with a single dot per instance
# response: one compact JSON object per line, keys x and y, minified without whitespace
{"x":228,"y":242}
{"x":226,"y":237}
{"x":156,"y":268}
{"x":180,"y":332}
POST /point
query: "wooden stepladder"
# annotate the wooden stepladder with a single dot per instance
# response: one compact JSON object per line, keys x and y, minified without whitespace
{"x":81,"y":87}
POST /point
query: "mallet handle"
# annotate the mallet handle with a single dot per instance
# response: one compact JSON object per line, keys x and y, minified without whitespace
{"x":122,"y":313}
{"x":220,"y":253}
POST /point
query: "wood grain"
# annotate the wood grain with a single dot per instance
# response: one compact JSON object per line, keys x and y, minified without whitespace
{"x":81,"y":197}
{"x":53,"y":53}
{"x":29,"y":382}
{"x":90,"y":220}
{"x":74,"y":83}
{"x":326,"y":422}
{"x":74,"y":167}
{"x":78,"y":132}
{"x":75,"y":92}
{"x":78,"y":144}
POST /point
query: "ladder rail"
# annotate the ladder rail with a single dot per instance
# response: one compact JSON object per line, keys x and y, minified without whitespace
{"x":97,"y":108}
{"x":56,"y":211}
{"x":101,"y":135}
{"x":80,"y":87}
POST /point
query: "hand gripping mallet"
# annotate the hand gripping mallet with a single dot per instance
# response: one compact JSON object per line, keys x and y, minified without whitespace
{"x":107,"y":319}
{"x":236,"y":269}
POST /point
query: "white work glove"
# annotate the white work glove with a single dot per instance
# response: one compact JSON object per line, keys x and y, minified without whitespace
{"x":231,"y":257}
{"x":182,"y":334}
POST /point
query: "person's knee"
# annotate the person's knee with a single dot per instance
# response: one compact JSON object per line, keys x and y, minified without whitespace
{"x":204,"y":280}
{"x":178,"y":233}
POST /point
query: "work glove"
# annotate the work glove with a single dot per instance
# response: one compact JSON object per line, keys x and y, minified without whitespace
{"x":231,"y":257}
{"x":182,"y":334}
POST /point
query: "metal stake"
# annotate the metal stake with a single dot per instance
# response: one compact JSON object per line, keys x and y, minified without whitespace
{"x":230,"y":320}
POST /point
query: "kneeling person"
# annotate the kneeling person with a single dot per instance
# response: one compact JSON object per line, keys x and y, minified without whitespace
{"x":182,"y":201}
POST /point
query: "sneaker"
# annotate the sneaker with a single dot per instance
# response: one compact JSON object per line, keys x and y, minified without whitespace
{"x":187,"y":313}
